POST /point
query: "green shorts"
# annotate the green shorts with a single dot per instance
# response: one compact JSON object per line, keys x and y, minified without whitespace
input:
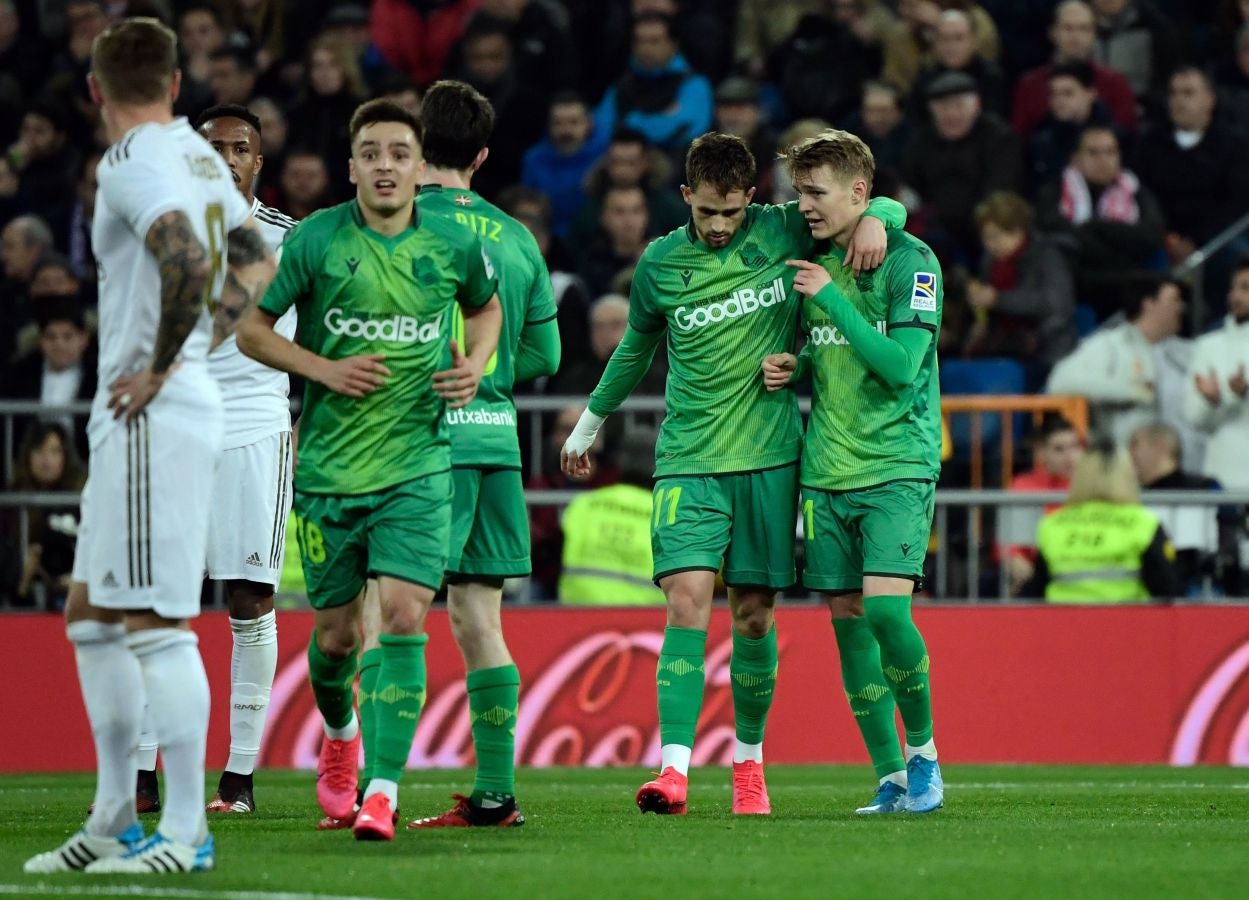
{"x":881,"y":530}
{"x":400,"y":532}
{"x":744,"y":522}
{"x":489,"y":524}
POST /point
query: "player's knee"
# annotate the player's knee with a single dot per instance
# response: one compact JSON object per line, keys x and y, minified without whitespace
{"x":404,"y":617}
{"x":336,"y":640}
{"x":249,"y":599}
{"x":752,"y":618}
{"x":845,"y":606}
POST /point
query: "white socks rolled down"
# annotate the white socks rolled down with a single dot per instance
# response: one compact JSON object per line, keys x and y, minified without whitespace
{"x":112,"y":690}
{"x":676,"y":756}
{"x":177,"y":697}
{"x":252,"y":667}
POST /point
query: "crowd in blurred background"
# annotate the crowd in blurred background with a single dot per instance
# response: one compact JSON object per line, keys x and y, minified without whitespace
{"x":1061,"y":158}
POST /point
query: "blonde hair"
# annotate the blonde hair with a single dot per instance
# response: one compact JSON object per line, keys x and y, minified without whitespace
{"x":345,"y":58}
{"x":1104,"y":475}
{"x":134,"y":60}
{"x":843,"y":153}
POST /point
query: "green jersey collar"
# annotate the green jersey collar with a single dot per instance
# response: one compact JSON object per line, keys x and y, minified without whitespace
{"x":463,"y":196}
{"x":390,"y":243}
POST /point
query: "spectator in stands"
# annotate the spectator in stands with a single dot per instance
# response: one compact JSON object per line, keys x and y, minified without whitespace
{"x":20,"y":56}
{"x":608,"y":317}
{"x":201,"y":32}
{"x":402,"y":90}
{"x":821,"y":69}
{"x":1057,"y":448}
{"x":1024,"y":297}
{"x":909,"y":46}
{"x":1194,"y":530}
{"x":630,"y":161}
{"x":304,"y":184}
{"x":1074,"y":35}
{"x":763,"y":25}
{"x":546,"y":58}
{"x":959,"y":159}
{"x":22,"y":243}
{"x":349,"y":23}
{"x":782,"y":186}
{"x":232,"y":74}
{"x":273,"y":142}
{"x":623,"y":230}
{"x":659,"y":95}
{"x":1103,"y":546}
{"x":954,"y":49}
{"x":1214,"y":188}
{"x":1218,"y":388}
{"x":264,"y":23}
{"x":1135,"y":38}
{"x":1073,"y":107}
{"x":46,"y":461}
{"x":333,"y":88}
{"x":46,"y":161}
{"x":416,"y":38}
{"x":738,"y":112}
{"x":1114,"y":221}
{"x":559,"y":164}
{"x":62,"y":370}
{"x":487,"y":62}
{"x":1232,"y":77}
{"x":84,"y":20}
{"x":881,"y":124}
{"x":1134,"y":371}
{"x":607,"y":534}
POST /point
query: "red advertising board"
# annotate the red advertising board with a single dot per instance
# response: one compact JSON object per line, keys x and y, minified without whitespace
{"x":1010,"y":684}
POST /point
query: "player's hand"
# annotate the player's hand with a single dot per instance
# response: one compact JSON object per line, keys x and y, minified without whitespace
{"x":1237,"y":382}
{"x":811,"y":277}
{"x":130,"y":394}
{"x":458,"y":384}
{"x":353,"y":376}
{"x":778,"y":368}
{"x":866,"y":249}
{"x":1208,"y":387}
{"x":574,"y":457}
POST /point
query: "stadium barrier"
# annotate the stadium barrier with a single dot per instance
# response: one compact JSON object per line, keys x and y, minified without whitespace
{"x":1011,"y":684}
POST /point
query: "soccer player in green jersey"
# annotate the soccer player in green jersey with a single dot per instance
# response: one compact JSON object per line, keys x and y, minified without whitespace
{"x":726,"y":477}
{"x":376,"y":282}
{"x":871,"y":458}
{"x":489,"y":520}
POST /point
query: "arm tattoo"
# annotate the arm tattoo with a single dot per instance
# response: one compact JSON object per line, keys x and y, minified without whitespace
{"x":244,"y":248}
{"x":184,"y":273}
{"x":235,"y":299}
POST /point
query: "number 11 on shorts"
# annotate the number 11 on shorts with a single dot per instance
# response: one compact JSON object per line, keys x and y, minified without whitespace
{"x":808,"y":519}
{"x":673,"y":496}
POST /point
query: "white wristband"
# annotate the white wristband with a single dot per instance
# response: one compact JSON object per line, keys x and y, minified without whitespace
{"x":583,"y":434}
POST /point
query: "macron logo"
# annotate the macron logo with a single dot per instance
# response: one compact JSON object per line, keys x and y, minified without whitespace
{"x":393,"y":330}
{"x":737,"y":304}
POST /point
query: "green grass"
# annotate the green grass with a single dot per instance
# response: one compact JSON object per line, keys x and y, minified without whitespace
{"x":1007,"y":832}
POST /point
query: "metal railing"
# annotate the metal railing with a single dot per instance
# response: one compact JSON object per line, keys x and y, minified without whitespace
{"x":1192,"y":268}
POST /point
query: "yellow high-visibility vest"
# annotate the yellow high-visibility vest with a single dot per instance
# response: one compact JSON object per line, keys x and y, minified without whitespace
{"x":607,"y":548}
{"x":1094,"y":551}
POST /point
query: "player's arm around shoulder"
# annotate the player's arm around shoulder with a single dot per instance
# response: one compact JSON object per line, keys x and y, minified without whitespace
{"x":478,"y":297}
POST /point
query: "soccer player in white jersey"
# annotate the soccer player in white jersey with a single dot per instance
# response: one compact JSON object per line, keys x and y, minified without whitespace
{"x":165,"y":214}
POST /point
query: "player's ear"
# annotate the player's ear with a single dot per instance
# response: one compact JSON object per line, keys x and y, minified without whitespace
{"x":687,"y":195}
{"x":480,"y":159}
{"x":351,"y":171}
{"x":420,"y":171}
{"x":260,"y":164}
{"x":750,"y":195}
{"x":93,"y":88}
{"x":175,"y":85}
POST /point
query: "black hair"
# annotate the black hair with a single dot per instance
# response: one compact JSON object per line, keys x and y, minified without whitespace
{"x":382,"y":110}
{"x":458,"y":123}
{"x":228,"y":111}
{"x":628,"y":135}
{"x":1147,"y":286}
{"x":1079,"y":70}
{"x":244,"y":57}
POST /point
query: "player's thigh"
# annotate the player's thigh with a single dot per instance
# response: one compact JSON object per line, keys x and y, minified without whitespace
{"x":146,"y":519}
{"x":690,"y":519}
{"x":761,"y":544}
{"x":831,"y":541}
{"x":251,"y":500}
{"x":494,"y":541}
{"x":332,"y":535}
{"x":409,"y":530}
{"x":896,"y":522}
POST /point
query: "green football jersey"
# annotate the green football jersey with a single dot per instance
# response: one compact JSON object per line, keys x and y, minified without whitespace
{"x":483,"y":434}
{"x":359,"y":292}
{"x":724,"y":311}
{"x":862,"y":431}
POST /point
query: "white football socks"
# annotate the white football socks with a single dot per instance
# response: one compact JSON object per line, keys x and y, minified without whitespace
{"x":384,"y":786}
{"x":146,"y":758}
{"x":347,"y":733}
{"x":252,"y":666}
{"x":675,"y":755}
{"x":112,"y":690}
{"x":177,"y":697}
{"x":927,"y":750}
{"x":748,"y":753}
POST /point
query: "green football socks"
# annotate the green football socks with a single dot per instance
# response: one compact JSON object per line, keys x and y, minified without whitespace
{"x":493,"y":696}
{"x":679,"y":678}
{"x":397,"y":700}
{"x":870,"y":698}
{"x":752,"y":670}
{"x":370,"y":669}
{"x":905,"y":662}
{"x":332,"y":681}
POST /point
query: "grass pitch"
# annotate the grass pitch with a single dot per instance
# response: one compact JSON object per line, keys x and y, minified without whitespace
{"x":1007,"y":831}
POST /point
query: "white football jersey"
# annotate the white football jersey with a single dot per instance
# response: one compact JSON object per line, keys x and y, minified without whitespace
{"x":155,"y":169}
{"x":256,"y":397}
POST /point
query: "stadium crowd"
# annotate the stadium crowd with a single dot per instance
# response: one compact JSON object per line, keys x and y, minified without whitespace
{"x":1061,"y":158}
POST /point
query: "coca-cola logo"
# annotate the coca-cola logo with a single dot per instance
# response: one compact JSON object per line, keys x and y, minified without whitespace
{"x":1215,"y":725}
{"x":593,"y":704}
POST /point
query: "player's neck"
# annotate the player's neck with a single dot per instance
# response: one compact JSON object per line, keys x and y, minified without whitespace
{"x":842,"y":238}
{"x":123,"y":118}
{"x":449,"y":178}
{"x":387,"y":224}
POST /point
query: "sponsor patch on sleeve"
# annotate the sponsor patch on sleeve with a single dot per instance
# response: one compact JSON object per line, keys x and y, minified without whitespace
{"x":924,"y":294}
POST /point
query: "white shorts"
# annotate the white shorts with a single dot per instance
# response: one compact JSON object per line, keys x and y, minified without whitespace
{"x":145,"y":513}
{"x":250,"y":504}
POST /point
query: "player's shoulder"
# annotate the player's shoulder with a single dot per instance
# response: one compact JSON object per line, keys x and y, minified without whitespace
{"x":667,"y":247}
{"x":905,"y":249}
{"x":439,"y":223}
{"x":319,"y":229}
{"x":275,"y":217}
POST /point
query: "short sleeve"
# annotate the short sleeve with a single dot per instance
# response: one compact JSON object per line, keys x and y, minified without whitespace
{"x":915,"y":289}
{"x":237,"y":210}
{"x":294,"y":276}
{"x":542,"y":306}
{"x":139,"y":191}
{"x":644,"y":313}
{"x":480,"y":283}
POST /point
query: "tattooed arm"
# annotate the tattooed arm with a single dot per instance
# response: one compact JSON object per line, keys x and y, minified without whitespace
{"x":250,"y":266}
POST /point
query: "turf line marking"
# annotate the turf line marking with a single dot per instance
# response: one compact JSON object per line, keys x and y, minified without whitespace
{"x":134,"y":890}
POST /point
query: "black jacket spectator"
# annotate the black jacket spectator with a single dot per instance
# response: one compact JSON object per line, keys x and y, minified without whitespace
{"x":1139,"y":41}
{"x":822,"y":68}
